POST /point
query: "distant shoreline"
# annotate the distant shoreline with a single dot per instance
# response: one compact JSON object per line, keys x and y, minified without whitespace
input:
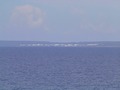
{"x":59,"y":44}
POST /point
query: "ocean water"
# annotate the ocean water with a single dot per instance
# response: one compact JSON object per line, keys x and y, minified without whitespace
{"x":51,"y":68}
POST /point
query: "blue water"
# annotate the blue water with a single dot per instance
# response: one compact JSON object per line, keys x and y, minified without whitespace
{"x":59,"y":68}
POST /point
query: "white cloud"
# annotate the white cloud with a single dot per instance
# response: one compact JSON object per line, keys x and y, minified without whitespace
{"x":27,"y":16}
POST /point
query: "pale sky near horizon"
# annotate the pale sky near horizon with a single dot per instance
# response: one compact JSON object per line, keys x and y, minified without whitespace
{"x":60,"y":20}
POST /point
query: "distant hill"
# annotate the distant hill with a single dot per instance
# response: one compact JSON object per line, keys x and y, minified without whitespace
{"x":58,"y":44}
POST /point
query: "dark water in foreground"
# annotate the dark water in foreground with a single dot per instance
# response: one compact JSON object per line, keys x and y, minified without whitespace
{"x":59,"y":68}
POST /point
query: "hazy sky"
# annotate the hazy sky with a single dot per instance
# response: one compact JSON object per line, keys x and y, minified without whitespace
{"x":60,"y":20}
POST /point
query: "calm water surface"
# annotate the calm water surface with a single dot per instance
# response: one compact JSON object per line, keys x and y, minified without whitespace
{"x":59,"y":68}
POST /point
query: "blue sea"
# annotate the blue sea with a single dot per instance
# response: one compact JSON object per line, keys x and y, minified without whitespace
{"x":59,"y":68}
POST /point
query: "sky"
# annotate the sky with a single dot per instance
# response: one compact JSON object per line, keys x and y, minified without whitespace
{"x":60,"y":20}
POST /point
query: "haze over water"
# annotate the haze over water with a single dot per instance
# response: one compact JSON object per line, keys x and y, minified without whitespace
{"x":59,"y":44}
